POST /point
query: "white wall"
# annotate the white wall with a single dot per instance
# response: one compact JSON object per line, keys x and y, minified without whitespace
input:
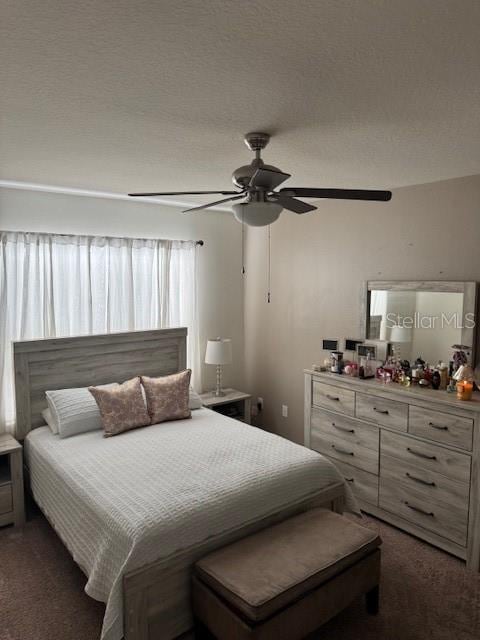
{"x":220,"y":285}
{"x":319,"y":260}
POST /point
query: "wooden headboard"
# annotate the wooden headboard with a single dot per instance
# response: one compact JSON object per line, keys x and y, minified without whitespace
{"x":62,"y":363}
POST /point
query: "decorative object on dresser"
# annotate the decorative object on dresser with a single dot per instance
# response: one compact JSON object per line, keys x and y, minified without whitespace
{"x":12,"y":505}
{"x":233,"y":403}
{"x":411,"y":455}
{"x":219,"y":352}
{"x":330,"y":344}
{"x":465,"y":378}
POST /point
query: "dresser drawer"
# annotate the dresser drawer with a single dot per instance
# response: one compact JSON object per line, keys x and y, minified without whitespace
{"x":433,"y":486}
{"x":364,"y":485}
{"x":349,"y":452}
{"x":327,"y":424}
{"x":410,"y":504}
{"x":336,"y":398}
{"x":442,"y":427}
{"x":389,"y":413}
{"x":6,"y":504}
{"x":427,"y":456}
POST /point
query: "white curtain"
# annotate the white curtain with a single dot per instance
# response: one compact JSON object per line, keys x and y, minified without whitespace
{"x":378,"y":303}
{"x":56,"y":285}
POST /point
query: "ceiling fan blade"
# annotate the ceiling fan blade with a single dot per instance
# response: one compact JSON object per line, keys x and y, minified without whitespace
{"x":292,"y":204}
{"x":181,"y":193}
{"x":268,"y":179}
{"x":339,"y":194}
{"x":213,"y":204}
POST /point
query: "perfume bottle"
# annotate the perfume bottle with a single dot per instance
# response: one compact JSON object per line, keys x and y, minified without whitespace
{"x":443,"y":370}
{"x":436,"y":379}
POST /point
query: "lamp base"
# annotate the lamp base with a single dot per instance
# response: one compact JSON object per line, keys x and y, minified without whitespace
{"x":218,"y":392}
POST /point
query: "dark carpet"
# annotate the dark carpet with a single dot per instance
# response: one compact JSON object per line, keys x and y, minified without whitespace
{"x":425,"y":594}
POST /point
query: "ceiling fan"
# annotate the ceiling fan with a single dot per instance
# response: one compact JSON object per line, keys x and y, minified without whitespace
{"x":256,"y":184}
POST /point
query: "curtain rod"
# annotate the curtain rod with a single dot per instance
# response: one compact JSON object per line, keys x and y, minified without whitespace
{"x":199,"y":243}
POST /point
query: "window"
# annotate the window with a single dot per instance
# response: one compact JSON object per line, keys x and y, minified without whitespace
{"x":56,"y":285}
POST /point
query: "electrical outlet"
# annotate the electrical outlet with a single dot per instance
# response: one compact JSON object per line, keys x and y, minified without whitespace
{"x":285,"y":410}
{"x":260,"y":404}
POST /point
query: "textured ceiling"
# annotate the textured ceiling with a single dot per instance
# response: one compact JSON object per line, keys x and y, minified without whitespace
{"x":125,"y":95}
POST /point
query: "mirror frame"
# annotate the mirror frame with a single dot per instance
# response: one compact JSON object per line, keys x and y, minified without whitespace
{"x":470,"y":302}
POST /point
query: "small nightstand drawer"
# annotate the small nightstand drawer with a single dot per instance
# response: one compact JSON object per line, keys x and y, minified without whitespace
{"x":335,"y":398}
{"x":382,"y":411}
{"x":6,"y":499}
{"x":12,"y":508}
{"x":233,"y":404}
{"x":442,"y":427}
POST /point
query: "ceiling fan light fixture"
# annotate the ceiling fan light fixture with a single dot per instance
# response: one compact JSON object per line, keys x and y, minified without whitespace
{"x":256,"y":184}
{"x":257,"y":214}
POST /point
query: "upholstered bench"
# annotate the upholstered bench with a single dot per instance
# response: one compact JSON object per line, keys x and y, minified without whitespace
{"x":286,"y":581}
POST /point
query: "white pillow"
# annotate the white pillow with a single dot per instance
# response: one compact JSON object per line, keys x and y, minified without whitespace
{"x":74,"y":411}
{"x":194,"y":400}
{"x":47,"y":416}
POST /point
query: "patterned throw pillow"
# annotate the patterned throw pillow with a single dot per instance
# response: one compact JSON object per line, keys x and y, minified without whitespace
{"x":167,"y":397}
{"x":121,"y":407}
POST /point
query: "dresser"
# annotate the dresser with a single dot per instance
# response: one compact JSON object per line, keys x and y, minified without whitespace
{"x":411,"y":455}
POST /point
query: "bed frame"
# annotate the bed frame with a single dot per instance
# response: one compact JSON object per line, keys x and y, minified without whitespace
{"x":150,"y":611}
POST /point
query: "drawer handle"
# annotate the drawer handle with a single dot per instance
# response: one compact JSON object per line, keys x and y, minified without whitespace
{"x":421,"y":455}
{"x":413,"y":508}
{"x":350,"y":479}
{"x":343,"y":428}
{"x":336,"y":398}
{"x":429,"y":484}
{"x":340,"y":450}
{"x":384,"y":411}
{"x":436,"y":426}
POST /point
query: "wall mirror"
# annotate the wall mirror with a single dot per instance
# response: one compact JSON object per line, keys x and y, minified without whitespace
{"x":423,"y":319}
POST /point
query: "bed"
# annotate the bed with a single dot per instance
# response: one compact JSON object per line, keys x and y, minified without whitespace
{"x":137,"y":510}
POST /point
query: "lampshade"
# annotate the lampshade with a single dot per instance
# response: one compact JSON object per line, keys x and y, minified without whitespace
{"x":400,"y":334}
{"x":219,"y":351}
{"x":257,"y":214}
{"x":464,"y":372}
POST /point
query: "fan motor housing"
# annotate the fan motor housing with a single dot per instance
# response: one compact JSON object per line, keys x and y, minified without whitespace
{"x":242,"y":176}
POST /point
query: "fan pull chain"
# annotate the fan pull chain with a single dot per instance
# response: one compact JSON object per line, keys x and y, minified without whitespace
{"x":243,"y":243}
{"x":269,"y":266}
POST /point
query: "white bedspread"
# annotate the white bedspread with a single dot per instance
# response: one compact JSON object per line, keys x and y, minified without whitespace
{"x":120,"y":503}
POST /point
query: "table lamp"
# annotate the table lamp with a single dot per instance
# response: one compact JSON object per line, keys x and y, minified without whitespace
{"x":399,"y":335}
{"x":219,"y":352}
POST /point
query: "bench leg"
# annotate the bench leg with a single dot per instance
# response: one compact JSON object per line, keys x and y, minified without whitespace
{"x":371,"y":599}
{"x":201,"y":631}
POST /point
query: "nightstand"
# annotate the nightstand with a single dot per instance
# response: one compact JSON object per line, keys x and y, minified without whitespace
{"x":234,"y":404}
{"x":12,"y":505}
